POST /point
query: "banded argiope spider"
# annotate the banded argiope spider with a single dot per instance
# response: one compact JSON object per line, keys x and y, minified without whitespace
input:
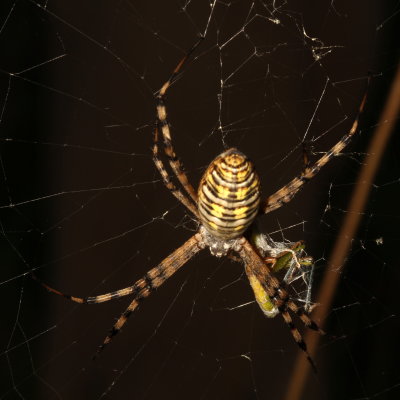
{"x":225,"y":205}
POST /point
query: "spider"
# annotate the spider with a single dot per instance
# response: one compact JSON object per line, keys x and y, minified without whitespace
{"x":225,"y":205}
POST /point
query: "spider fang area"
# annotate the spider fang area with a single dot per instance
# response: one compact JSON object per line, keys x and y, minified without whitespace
{"x":220,"y":247}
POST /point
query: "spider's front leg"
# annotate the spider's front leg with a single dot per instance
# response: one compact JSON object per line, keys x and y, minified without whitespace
{"x":143,"y":287}
{"x":266,"y":284}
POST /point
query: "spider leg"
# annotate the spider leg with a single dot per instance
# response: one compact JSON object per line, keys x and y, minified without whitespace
{"x":306,"y":155}
{"x":154,"y":279}
{"x":166,"y":179}
{"x":255,"y":267}
{"x":101,"y":298}
{"x":141,"y":288}
{"x":286,"y":193}
{"x":80,"y":300}
{"x":173,"y":160}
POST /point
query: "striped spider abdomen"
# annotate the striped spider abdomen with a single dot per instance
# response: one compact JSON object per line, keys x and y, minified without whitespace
{"x":229,"y":195}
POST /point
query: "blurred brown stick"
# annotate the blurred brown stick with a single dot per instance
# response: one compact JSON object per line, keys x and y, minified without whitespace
{"x":347,"y":232}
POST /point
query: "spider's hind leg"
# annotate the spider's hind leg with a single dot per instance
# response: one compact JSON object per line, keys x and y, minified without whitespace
{"x":285,"y":194}
{"x":162,"y":121}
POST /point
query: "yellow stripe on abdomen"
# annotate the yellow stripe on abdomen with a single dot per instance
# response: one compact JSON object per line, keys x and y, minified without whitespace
{"x":229,"y":195}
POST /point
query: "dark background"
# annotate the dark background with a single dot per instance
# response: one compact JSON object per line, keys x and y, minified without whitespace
{"x":83,"y":206}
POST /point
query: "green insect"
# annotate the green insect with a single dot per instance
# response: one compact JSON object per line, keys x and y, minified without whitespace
{"x":279,"y":256}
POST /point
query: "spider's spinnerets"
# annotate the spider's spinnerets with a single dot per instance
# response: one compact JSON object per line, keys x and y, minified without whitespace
{"x":229,"y":195}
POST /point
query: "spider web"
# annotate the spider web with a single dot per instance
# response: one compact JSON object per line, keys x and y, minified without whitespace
{"x":83,"y":207}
